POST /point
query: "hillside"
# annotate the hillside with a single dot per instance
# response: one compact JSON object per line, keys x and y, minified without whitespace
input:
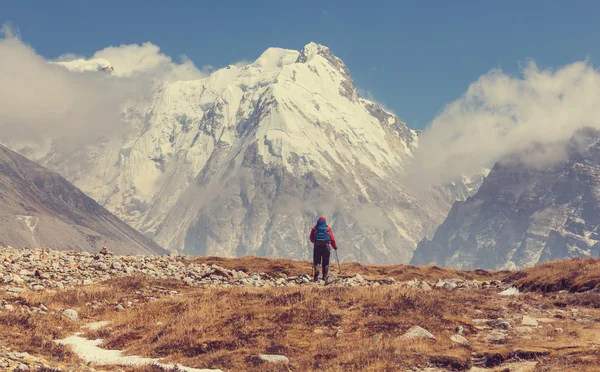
{"x":39,"y":208}
{"x":255,"y":314}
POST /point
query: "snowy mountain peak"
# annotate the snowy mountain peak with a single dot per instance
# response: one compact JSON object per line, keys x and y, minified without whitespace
{"x":241,"y":161}
{"x":312,"y":49}
{"x":83,"y":65}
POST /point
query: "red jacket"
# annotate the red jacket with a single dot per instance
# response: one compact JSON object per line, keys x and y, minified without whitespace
{"x":332,"y":240}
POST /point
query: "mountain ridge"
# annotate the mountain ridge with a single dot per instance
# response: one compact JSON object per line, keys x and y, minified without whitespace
{"x":527,"y":211}
{"x":42,"y":209}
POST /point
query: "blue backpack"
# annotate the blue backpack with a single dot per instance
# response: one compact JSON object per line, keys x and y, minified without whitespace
{"x":322,"y":232}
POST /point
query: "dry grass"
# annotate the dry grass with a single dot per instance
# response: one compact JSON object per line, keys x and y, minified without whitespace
{"x":575,"y":275}
{"x":276,"y":267}
{"x":228,"y":328}
{"x":323,"y":328}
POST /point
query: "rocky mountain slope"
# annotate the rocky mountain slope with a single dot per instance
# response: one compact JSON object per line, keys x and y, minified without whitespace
{"x":528,"y":210}
{"x":244,"y":161}
{"x":39,"y":208}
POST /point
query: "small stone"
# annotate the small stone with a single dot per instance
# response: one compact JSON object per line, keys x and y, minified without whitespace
{"x":496,"y":337}
{"x":274,"y":358}
{"x":38,"y":287}
{"x":119,"y":307}
{"x":460,"y":340}
{"x":512,"y":291}
{"x":71,"y":314}
{"x":376,"y":337}
{"x":459,"y":330}
{"x":559,"y":330}
{"x":17,"y":280}
{"x":418,"y":332}
{"x":503,"y":324}
{"x":9,"y":307}
{"x":319,"y":331}
{"x":358,"y":278}
{"x":43,"y":307}
{"x":529,"y":321}
{"x":523,"y":330}
{"x":117,"y":266}
{"x":87,"y":282}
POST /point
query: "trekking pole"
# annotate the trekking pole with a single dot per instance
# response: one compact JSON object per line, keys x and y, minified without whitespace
{"x":338,"y":260}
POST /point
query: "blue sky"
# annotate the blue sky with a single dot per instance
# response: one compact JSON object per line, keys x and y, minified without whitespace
{"x":412,"y":56}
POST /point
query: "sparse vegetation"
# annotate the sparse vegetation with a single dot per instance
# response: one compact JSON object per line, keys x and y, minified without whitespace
{"x":324,"y":328}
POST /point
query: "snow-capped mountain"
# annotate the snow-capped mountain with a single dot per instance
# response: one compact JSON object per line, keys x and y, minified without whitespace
{"x":526,"y":212}
{"x":244,"y":161}
{"x":39,"y":208}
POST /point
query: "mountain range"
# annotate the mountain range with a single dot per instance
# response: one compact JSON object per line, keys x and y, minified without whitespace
{"x":244,"y":161}
{"x":537,"y":205}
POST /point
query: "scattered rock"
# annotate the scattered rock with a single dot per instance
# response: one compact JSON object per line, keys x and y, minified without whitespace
{"x":45,"y":269}
{"x":523,"y":330}
{"x":71,"y":314}
{"x":418,"y":332}
{"x":460,"y":340}
{"x":119,"y":307}
{"x":529,"y":321}
{"x":512,"y":291}
{"x":496,"y":337}
{"x":503,"y":324}
{"x":274,"y":358}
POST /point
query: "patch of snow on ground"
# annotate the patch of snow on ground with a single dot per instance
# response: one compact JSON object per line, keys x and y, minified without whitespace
{"x":90,"y":352}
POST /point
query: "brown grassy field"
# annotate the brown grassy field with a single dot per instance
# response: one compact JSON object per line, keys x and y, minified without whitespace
{"x":327,"y":328}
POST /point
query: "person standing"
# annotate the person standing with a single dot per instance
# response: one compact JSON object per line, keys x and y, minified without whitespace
{"x":323,"y":239}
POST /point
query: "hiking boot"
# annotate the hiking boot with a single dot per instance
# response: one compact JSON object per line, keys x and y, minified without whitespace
{"x":316,"y":276}
{"x":325,"y":272}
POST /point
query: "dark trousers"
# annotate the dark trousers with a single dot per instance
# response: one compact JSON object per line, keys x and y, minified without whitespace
{"x":321,"y":255}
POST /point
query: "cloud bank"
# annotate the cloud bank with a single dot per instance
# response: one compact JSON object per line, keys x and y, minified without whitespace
{"x":39,"y":99}
{"x":501,"y":114}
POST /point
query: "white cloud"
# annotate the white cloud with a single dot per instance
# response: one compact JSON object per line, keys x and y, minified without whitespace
{"x":242,"y":64}
{"x":500,"y":114}
{"x":145,"y":60}
{"x":39,"y":99}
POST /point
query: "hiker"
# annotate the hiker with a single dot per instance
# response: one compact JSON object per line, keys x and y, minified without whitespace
{"x":322,"y":237}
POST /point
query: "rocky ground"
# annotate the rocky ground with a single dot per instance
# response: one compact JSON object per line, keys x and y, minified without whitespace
{"x":477,"y":321}
{"x":36,"y":269}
